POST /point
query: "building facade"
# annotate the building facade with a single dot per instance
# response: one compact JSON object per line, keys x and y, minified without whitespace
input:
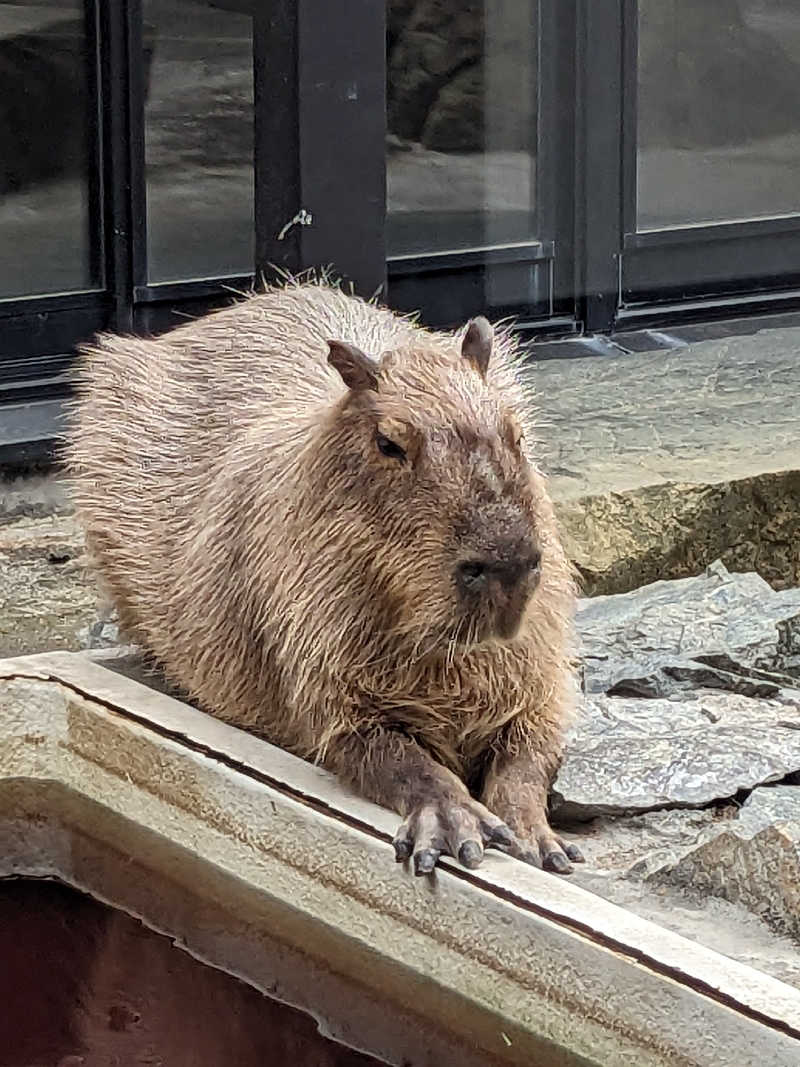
{"x":588,"y":167}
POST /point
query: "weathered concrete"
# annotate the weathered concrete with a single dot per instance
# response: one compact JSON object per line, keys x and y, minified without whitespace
{"x":264,"y":867}
{"x":47,"y":597}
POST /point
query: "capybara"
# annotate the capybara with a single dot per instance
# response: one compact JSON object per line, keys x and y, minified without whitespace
{"x":326,"y":525}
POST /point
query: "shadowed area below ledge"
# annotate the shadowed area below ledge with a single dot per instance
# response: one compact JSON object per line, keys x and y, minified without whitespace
{"x":84,"y":985}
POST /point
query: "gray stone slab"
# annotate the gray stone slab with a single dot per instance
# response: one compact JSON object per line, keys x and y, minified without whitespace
{"x":715,"y":411}
{"x":730,"y":631}
{"x":629,"y":754}
{"x":691,"y":695}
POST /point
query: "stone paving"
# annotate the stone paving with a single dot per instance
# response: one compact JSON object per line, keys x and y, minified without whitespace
{"x":708,"y":412}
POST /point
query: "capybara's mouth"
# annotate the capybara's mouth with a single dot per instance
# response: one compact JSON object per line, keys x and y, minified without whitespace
{"x":495,"y":627}
{"x":507,"y":626}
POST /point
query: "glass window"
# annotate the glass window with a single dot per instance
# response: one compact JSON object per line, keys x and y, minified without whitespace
{"x":199,"y":139}
{"x":462,"y":131}
{"x":47,"y":151}
{"x":718,"y":111}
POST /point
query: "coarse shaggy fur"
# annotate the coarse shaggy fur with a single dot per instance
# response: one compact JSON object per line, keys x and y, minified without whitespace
{"x":286,"y":575}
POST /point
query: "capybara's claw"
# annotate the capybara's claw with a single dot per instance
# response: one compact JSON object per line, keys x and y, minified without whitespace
{"x":555,"y":852}
{"x":539,"y":847}
{"x":470,"y":854}
{"x":425,"y":860}
{"x":556,"y":861}
{"x":458,"y":827}
{"x":403,"y":849}
{"x":573,"y":852}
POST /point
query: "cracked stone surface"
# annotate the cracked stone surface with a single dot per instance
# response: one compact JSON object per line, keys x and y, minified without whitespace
{"x":631,"y":754}
{"x":692,"y":695}
{"x":751,"y":859}
{"x":683,"y":771}
{"x":620,"y":852}
{"x":733,"y":628}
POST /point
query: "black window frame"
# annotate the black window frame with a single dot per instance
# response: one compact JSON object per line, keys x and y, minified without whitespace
{"x":305,"y":53}
{"x":38,"y":333}
{"x":659,"y":278}
{"x":448,"y":287}
{"x":326,"y":66}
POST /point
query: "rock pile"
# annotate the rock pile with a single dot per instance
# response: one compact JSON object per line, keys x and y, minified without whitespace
{"x":686,"y":754}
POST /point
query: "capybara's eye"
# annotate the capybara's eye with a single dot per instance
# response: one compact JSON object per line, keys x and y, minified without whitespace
{"x":389,"y":448}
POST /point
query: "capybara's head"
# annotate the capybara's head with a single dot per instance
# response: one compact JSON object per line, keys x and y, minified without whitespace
{"x":431,"y":489}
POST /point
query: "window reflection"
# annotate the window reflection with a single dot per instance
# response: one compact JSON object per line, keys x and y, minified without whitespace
{"x":461,"y":153}
{"x":718,"y":111}
{"x":199,"y":139}
{"x":46,"y":151}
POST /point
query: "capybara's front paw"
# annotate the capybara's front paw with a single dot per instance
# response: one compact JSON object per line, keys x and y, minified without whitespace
{"x":554,"y":852}
{"x":455,"y":826}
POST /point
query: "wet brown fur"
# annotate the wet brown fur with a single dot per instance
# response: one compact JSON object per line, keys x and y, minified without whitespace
{"x":294,"y":581}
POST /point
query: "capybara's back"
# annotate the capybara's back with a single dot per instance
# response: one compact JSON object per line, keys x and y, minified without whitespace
{"x":160,"y":424}
{"x":325,"y":524}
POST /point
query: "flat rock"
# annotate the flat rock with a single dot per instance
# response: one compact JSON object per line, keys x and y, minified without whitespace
{"x":629,"y":754}
{"x":692,"y":694}
{"x":753,"y":859}
{"x":729,"y":629}
{"x":46,"y":597}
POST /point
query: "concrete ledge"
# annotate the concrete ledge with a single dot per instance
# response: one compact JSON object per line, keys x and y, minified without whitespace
{"x":263,"y":866}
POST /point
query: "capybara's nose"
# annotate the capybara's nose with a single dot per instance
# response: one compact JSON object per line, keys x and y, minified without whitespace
{"x":476,"y":577}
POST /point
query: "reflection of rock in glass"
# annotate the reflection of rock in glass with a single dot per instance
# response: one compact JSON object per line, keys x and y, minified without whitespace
{"x":721,"y":72}
{"x":45,"y":105}
{"x":461,"y":72}
{"x":198,"y":140}
{"x":462,"y":124}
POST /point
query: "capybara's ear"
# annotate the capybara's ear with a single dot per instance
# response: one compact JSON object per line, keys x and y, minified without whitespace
{"x":476,"y":347}
{"x":357,"y":370}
